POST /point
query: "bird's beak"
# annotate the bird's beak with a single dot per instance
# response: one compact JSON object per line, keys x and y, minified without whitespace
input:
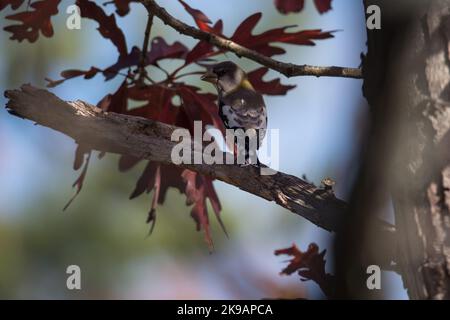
{"x":209,"y":76}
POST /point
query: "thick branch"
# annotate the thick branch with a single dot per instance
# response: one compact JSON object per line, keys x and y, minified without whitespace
{"x":146,"y":139}
{"x":151,"y":140}
{"x":288,"y":69}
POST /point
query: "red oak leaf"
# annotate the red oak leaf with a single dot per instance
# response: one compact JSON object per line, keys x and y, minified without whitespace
{"x":116,"y":102}
{"x":159,"y":50}
{"x":33,"y":21}
{"x":122,"y":6}
{"x":127,"y":162}
{"x":158,"y":105}
{"x":273,"y":87}
{"x":264,"y":42}
{"x":288,"y":6}
{"x":310,"y":265}
{"x":323,"y":5}
{"x":107,"y":24}
{"x":159,"y":178}
{"x":198,"y":189}
{"x":200,"y":18}
{"x":15,"y":4}
{"x":82,"y":158}
{"x":70,"y":74}
{"x":204,"y":49}
{"x":200,"y":106}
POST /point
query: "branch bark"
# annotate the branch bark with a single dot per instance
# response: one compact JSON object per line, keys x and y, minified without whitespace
{"x":288,"y":69}
{"x":151,"y":140}
{"x":407,"y":84}
{"x":141,"y":66}
{"x":146,"y":139}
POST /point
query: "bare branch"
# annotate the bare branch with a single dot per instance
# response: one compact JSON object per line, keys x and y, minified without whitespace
{"x":147,"y":139}
{"x":151,"y":140}
{"x":288,"y":69}
{"x":141,"y":66}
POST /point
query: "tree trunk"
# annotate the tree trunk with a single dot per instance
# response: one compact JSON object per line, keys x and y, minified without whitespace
{"x":407,"y":84}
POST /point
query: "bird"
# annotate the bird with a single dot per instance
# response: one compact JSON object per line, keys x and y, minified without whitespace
{"x":240,"y":106}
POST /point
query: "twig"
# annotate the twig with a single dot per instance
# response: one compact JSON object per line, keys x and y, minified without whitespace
{"x":288,"y":69}
{"x":141,"y":66}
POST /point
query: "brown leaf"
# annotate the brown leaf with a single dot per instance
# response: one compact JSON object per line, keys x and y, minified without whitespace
{"x":200,"y":106}
{"x":123,"y":6}
{"x":264,"y":42}
{"x":196,"y":194}
{"x":32,"y":21}
{"x":80,"y":158}
{"x":107,"y":24}
{"x":116,"y":102}
{"x":310,"y":265}
{"x":273,"y":87}
{"x":159,"y":103}
{"x":200,"y":18}
{"x":288,"y":6}
{"x":146,"y":181}
{"x":127,"y":162}
{"x":70,"y":74}
{"x":15,"y":4}
{"x":204,"y":49}
{"x":323,"y":5}
{"x":159,"y":50}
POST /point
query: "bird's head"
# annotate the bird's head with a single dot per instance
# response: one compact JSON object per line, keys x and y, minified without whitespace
{"x":227,"y":77}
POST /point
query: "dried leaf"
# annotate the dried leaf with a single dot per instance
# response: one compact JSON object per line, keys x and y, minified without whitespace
{"x":15,"y":4}
{"x":122,"y":6}
{"x":288,"y":6}
{"x":107,"y":25}
{"x":200,"y":106}
{"x":116,"y":102}
{"x":79,"y":159}
{"x":32,"y":21}
{"x":204,"y":49}
{"x":70,"y":74}
{"x":200,"y":18}
{"x":264,"y":42}
{"x":323,"y":5}
{"x":196,"y":195}
{"x":159,"y":50}
{"x":273,"y":87}
{"x":310,"y":265}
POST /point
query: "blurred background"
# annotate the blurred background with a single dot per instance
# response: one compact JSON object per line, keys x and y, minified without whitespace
{"x":322,"y":125}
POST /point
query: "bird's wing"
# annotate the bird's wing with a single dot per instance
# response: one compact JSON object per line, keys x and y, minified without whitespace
{"x":244,"y":109}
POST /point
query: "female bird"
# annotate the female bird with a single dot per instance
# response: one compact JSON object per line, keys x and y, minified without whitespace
{"x":240,"y":106}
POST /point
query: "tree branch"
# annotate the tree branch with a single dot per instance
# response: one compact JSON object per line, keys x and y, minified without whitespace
{"x":151,"y":140}
{"x":146,"y":139}
{"x":141,"y":66}
{"x":288,"y":69}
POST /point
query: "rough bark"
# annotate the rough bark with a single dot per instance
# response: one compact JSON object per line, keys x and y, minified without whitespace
{"x":146,"y":139}
{"x":407,"y":84}
{"x":421,"y":193}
